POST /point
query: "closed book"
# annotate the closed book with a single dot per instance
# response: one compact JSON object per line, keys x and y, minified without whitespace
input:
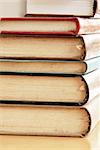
{"x":48,"y":66}
{"x":49,"y":121}
{"x":42,"y":142}
{"x":85,"y":8}
{"x":50,"y":25}
{"x":48,"y":89}
{"x":40,"y":25}
{"x":49,"y":47}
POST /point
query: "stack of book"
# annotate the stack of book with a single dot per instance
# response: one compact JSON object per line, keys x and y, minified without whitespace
{"x":49,"y":72}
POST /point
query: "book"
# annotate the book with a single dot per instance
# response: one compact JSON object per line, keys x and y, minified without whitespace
{"x":49,"y":66}
{"x":37,"y":25}
{"x":42,"y":142}
{"x":42,"y":66}
{"x":41,"y":120}
{"x":85,"y":8}
{"x":50,"y":25}
{"x":43,"y":89}
{"x":18,"y":88}
{"x":51,"y":47}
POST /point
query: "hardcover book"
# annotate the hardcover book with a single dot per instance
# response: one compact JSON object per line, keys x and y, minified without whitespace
{"x":42,"y":142}
{"x":50,"y":25}
{"x":48,"y":89}
{"x":70,"y":7}
{"x":28,"y":120}
{"x":48,"y":66}
{"x":49,"y":47}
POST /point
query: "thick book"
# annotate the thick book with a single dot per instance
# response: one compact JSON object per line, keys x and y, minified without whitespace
{"x":40,"y":120}
{"x":42,"y":142}
{"x":82,"y":8}
{"x":18,"y":88}
{"x":50,"y":25}
{"x":54,"y":47}
{"x":49,"y":66}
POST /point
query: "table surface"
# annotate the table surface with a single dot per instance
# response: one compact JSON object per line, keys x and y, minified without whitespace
{"x":91,"y":142}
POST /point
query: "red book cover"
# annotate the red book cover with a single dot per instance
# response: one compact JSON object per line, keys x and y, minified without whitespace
{"x":55,"y":25}
{"x":49,"y":25}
